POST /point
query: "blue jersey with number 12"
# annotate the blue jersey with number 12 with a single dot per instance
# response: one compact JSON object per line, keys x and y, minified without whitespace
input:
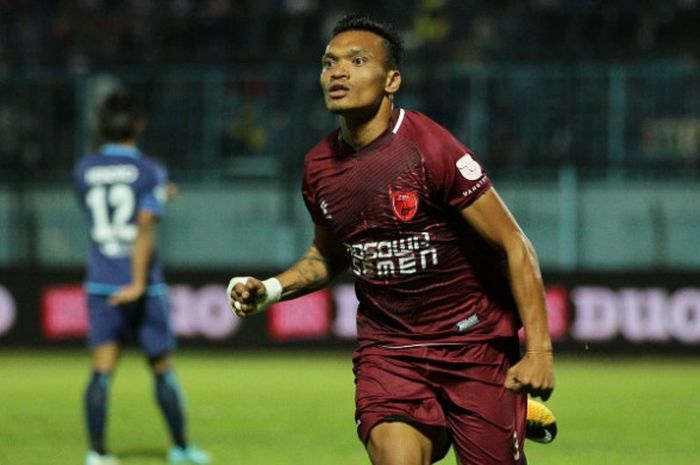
{"x":113,"y":185}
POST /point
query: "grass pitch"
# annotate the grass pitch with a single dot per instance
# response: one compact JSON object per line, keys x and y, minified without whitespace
{"x":297,"y":408}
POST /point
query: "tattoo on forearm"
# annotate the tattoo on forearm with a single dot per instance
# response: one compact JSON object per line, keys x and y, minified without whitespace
{"x":312,"y":269}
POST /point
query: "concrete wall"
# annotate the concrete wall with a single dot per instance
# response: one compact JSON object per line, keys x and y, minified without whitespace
{"x":573,"y":225}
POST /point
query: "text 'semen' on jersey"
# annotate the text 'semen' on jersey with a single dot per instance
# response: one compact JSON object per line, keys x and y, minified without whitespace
{"x":423,"y":275}
{"x":113,"y":185}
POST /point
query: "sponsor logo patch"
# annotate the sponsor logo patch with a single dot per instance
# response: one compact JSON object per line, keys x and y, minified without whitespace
{"x":469,"y":168}
{"x":404,"y":204}
{"x":468,"y":323}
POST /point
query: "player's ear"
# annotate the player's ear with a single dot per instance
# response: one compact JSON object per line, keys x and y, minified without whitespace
{"x":140,"y":125}
{"x":393,"y":81}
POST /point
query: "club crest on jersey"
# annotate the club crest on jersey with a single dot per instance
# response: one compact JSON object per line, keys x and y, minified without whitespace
{"x":404,"y":204}
{"x":469,"y":168}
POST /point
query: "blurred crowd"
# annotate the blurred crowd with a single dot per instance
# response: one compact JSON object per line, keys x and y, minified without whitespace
{"x":93,"y":33}
{"x":533,"y":119}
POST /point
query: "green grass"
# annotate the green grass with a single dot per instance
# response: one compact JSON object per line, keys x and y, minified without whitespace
{"x":293,"y":409}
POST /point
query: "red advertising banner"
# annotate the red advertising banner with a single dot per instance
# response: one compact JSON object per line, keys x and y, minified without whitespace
{"x":610,"y":312}
{"x":64,"y":312}
{"x":308,"y":317}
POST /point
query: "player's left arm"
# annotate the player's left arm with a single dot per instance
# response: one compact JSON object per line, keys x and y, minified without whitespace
{"x":141,"y":255}
{"x":492,"y":219}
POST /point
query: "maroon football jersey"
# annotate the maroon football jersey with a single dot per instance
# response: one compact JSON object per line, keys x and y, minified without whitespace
{"x":423,"y":276}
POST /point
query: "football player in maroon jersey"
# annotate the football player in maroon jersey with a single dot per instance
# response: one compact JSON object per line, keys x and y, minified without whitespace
{"x":444,"y":275}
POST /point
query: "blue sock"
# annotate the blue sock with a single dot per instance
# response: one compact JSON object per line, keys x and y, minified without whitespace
{"x":170,"y":402}
{"x":96,"y":399}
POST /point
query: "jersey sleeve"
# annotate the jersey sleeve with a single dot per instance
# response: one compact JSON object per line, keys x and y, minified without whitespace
{"x":152,"y":197}
{"x":315,"y":210}
{"x":78,"y":182}
{"x":456,"y":172}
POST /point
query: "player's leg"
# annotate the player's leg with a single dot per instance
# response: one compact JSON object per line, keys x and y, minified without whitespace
{"x":490,"y":434}
{"x":158,"y":342}
{"x":398,"y":443}
{"x":486,"y":420}
{"x":169,"y":399}
{"x":459,"y":462}
{"x":104,"y":359}
{"x":106,"y":325}
{"x":399,"y":419}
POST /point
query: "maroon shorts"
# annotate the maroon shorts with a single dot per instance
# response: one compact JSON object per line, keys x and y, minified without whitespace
{"x":454,"y":394}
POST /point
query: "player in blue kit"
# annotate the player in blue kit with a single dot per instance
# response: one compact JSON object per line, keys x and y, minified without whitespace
{"x":123,"y":194}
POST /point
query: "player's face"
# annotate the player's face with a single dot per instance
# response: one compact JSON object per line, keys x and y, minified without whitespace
{"x":354,"y":75}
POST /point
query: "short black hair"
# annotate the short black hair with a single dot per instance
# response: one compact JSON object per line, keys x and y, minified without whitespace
{"x":392,"y":39}
{"x":118,"y":115}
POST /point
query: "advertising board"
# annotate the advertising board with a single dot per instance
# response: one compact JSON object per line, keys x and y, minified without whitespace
{"x":613,"y":312}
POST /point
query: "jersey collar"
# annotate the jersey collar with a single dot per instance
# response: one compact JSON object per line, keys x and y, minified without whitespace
{"x":396,"y":119}
{"x":120,"y":150}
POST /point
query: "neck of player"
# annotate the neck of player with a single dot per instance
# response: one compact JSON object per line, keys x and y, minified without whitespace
{"x":362,"y":128}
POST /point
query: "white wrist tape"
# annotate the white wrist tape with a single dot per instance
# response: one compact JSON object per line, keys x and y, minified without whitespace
{"x":273,"y":293}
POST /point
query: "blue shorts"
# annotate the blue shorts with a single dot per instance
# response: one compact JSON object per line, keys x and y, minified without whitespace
{"x":147,"y":320}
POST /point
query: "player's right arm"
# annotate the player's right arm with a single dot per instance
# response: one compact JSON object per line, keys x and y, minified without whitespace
{"x":534,"y":373}
{"x":325,"y":259}
{"x":141,"y":255}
